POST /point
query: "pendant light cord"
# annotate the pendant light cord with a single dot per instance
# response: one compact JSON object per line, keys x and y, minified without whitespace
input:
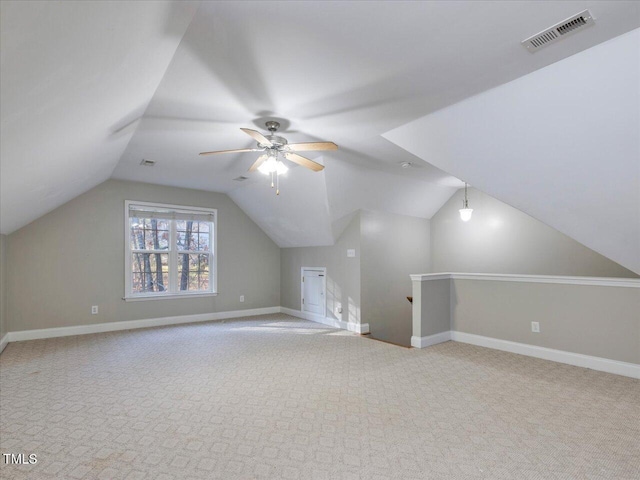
{"x":466,"y":200}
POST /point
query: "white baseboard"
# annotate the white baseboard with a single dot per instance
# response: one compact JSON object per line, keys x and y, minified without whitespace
{"x":176,"y":320}
{"x":332,"y":322}
{"x":421,"y":342}
{"x":595,"y":363}
{"x":132,"y":324}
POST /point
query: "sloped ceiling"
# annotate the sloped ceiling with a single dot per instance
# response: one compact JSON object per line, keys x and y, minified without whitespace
{"x":69,"y":73}
{"x":569,"y":145}
{"x":341,"y":71}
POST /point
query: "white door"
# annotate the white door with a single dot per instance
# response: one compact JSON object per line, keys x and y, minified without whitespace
{"x":313,"y":290}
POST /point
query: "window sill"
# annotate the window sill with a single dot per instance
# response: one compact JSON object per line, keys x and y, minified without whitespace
{"x":142,"y":298}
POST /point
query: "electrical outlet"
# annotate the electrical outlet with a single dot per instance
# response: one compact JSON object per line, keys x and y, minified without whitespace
{"x":535,"y":327}
{"x":241,"y":298}
{"x":94,"y":310}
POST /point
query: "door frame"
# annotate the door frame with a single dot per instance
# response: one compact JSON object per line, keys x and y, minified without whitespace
{"x":324,"y":287}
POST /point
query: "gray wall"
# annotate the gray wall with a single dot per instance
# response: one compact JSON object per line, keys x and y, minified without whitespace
{"x":501,"y":239}
{"x":393,"y":247}
{"x":73,"y":257}
{"x":3,"y":286}
{"x":601,"y":321}
{"x":373,"y":286}
{"x":431,"y":307}
{"x":343,"y":273}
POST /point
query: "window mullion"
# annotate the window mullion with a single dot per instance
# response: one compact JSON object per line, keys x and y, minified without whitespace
{"x":173,"y":258}
{"x":213,"y":272}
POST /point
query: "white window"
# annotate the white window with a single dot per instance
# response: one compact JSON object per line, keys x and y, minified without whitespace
{"x":170,"y":251}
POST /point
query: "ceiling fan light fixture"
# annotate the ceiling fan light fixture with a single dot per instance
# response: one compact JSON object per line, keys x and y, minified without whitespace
{"x":269,"y":166}
{"x":281,"y":168}
{"x":273,"y":165}
{"x":271,"y":146}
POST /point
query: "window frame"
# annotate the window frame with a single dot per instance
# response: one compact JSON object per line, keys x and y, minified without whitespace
{"x":173,"y":292}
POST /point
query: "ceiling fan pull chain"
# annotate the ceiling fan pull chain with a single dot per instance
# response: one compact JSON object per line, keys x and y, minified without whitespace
{"x":277,"y":184}
{"x":271,"y":179}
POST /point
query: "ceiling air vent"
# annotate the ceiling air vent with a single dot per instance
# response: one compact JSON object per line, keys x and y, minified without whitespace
{"x":558,"y":31}
{"x":241,"y":178}
{"x":147,"y":163}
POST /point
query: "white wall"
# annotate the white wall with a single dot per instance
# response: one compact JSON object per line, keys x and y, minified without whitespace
{"x":73,"y":257}
{"x":501,"y":239}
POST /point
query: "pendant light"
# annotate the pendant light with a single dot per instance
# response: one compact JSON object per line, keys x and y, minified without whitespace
{"x":465,"y":211}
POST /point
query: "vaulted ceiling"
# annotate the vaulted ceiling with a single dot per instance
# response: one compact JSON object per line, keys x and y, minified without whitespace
{"x":569,"y":145}
{"x":89,"y":89}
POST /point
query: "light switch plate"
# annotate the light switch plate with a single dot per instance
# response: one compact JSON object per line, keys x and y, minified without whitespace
{"x":351,"y":252}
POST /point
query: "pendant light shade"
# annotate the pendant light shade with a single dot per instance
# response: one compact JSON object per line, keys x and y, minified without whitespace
{"x":465,"y":214}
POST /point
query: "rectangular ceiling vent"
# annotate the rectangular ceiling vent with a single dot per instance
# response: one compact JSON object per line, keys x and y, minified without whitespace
{"x":241,"y":178}
{"x":558,"y":31}
{"x":147,"y":163}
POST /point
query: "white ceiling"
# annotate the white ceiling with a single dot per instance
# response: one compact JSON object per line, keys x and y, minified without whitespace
{"x":70,"y":71}
{"x":569,"y":145}
{"x":341,"y":71}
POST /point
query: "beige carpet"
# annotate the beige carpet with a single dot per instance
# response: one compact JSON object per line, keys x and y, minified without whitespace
{"x":277,"y":397}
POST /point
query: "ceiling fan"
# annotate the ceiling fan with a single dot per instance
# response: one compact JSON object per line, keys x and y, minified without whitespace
{"x":273,"y":146}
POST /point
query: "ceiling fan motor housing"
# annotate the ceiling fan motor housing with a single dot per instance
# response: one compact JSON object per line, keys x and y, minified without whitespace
{"x":272,"y":146}
{"x":275,"y":140}
{"x":272,"y":126}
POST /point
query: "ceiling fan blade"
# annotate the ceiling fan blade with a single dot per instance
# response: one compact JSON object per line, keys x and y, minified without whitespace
{"x":305,"y":162}
{"x":261,"y":139}
{"x":239,"y":150}
{"x":312,"y":146}
{"x":258,"y":162}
